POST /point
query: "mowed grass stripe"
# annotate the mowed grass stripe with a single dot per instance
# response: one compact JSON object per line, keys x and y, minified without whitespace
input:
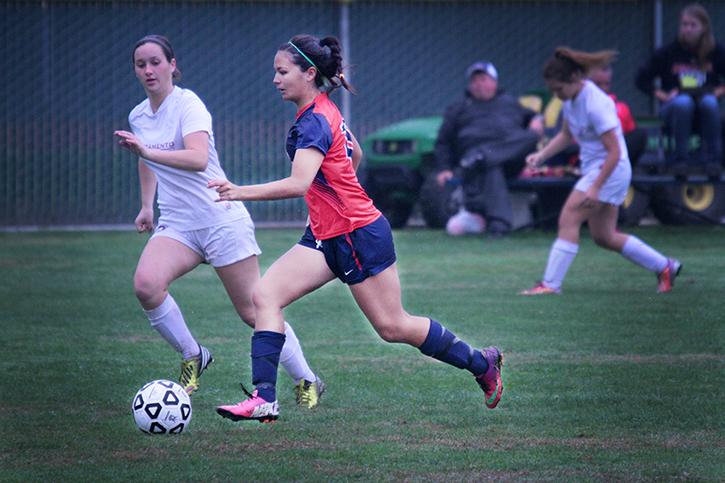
{"x":609,"y":381}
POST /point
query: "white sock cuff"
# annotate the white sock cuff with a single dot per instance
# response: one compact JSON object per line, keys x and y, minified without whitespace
{"x":637,"y":251}
{"x":292,"y":358}
{"x":166,"y":306}
{"x":631,"y":245}
{"x":566,"y":246}
{"x":291,"y":344}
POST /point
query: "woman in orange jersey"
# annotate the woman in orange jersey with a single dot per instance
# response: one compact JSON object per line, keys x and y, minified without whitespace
{"x":347,"y":237}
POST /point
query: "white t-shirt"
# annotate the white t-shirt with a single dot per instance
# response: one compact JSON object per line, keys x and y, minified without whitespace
{"x":589,"y":115}
{"x":184,"y":200}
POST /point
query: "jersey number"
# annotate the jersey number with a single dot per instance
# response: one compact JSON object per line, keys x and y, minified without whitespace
{"x":348,"y":141}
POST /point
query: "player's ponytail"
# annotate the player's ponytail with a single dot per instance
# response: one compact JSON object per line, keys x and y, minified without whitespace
{"x":333,"y":68}
{"x":324,"y":55}
{"x":568,"y":64}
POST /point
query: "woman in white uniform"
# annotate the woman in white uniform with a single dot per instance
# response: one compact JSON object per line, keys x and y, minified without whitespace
{"x":590,"y":119}
{"x":173,"y":137}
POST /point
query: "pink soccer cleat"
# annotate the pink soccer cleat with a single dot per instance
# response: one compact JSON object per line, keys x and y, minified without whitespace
{"x":490,"y":381}
{"x":666,"y":278}
{"x":253,"y":408}
{"x":540,"y":289}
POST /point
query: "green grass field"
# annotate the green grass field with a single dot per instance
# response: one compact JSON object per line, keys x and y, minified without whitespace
{"x":607,"y":382}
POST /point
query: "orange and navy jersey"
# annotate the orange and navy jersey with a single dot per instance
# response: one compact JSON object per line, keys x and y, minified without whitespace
{"x":336,"y":202}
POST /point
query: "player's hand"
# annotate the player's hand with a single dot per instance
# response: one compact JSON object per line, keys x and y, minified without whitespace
{"x":534,"y":160}
{"x":227,"y":190}
{"x":128,"y":140}
{"x":444,"y":176}
{"x":145,"y":220}
{"x":591,"y":197}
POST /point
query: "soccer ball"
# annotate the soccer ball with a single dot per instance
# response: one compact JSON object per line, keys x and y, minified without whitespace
{"x":161,"y":407}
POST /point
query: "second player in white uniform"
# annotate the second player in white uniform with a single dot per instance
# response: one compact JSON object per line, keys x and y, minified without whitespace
{"x":590,"y":119}
{"x":590,"y":115}
{"x":173,"y":137}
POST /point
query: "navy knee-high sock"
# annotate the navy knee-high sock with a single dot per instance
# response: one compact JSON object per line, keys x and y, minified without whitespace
{"x":266,"y":347}
{"x":443,"y":345}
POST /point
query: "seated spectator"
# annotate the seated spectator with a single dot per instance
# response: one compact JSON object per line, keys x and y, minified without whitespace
{"x":691,"y":73}
{"x":485,"y":137}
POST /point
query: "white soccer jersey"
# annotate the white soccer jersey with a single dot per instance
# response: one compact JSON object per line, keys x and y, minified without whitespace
{"x":589,"y":115}
{"x":184,"y":200}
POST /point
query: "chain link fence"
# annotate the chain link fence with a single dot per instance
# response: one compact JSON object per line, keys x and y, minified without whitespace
{"x":67,"y":80}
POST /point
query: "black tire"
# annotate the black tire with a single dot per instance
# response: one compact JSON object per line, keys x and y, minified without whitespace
{"x":634,"y":207}
{"x":437,"y":203}
{"x":396,"y":209}
{"x":689,"y":204}
{"x":394,"y":190}
{"x":548,"y":206}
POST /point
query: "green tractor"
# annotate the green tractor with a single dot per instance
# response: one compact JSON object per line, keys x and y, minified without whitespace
{"x":399,"y":165}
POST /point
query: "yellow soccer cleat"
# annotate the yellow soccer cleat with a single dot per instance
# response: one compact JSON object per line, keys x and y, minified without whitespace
{"x":309,"y":393}
{"x":192,"y":369}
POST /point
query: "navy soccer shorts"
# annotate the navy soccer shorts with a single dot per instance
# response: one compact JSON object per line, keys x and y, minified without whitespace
{"x":357,"y":255}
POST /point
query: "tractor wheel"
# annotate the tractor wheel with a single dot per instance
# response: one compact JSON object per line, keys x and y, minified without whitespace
{"x":438,"y":203}
{"x":396,"y":209}
{"x":548,"y":206}
{"x":688,"y":204}
{"x":634,"y":207}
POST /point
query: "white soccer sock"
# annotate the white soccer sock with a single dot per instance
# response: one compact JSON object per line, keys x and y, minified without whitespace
{"x":292,"y":358}
{"x":168,"y":321}
{"x":637,"y":251}
{"x":560,"y":257}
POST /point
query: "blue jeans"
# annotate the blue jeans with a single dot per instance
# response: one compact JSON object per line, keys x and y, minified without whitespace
{"x":679,"y":116}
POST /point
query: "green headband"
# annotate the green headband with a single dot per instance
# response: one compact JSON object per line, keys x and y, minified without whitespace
{"x":303,"y":55}
{"x":325,"y":80}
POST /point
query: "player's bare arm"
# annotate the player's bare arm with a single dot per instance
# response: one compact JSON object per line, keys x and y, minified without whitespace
{"x":562,"y":139}
{"x":305,"y":166}
{"x":194,"y":156}
{"x":147,"y":179}
{"x":357,"y":152}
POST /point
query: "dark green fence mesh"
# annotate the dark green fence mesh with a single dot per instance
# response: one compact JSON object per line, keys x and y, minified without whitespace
{"x":67,"y":81}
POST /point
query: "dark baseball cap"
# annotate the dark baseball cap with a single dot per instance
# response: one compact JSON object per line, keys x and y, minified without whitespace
{"x":484,"y":67}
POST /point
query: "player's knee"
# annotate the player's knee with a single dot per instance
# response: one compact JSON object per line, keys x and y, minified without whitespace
{"x":567,"y":229}
{"x":390,"y":331}
{"x":389,"y":334}
{"x":263,"y":297}
{"x":147,"y":287}
{"x":564,"y":221}
{"x":247,"y":314}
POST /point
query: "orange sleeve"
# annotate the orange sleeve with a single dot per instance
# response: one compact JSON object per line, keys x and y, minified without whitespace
{"x":625,"y":117}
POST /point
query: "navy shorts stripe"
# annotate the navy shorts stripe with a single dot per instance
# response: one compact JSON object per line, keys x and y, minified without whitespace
{"x":357,"y":255}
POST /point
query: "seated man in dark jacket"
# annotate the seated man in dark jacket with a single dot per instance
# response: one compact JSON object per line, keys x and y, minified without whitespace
{"x":486,"y":137}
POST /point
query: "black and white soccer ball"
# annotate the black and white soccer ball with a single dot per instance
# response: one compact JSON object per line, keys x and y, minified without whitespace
{"x":161,"y":407}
